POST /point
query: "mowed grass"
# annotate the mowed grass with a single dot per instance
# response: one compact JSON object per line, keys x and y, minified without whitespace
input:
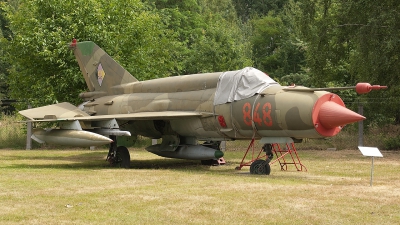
{"x":78,"y":187}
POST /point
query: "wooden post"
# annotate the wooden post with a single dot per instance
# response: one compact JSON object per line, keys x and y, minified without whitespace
{"x":360,"y":126}
{"x":29,"y":132}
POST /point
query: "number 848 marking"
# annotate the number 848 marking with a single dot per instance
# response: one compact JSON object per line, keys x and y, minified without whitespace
{"x":266,"y":114}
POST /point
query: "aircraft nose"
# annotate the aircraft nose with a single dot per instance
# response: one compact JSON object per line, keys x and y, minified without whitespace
{"x":333,"y":115}
{"x":330,"y":114}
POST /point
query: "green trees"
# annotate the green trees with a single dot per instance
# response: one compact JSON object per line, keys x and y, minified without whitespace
{"x":43,"y":68}
{"x":209,"y":32}
{"x":276,"y":51}
{"x":350,"y":42}
{"x":308,"y":42}
{"x":374,"y":28}
{"x":276,"y":48}
{"x":151,"y":40}
{"x":4,"y":33}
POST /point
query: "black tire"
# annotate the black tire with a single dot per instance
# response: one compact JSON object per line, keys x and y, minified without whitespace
{"x":260,"y":167}
{"x":257,"y":167}
{"x":123,"y":157}
{"x":267,"y":168}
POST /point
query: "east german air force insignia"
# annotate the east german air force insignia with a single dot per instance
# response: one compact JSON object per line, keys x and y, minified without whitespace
{"x":100,"y":74}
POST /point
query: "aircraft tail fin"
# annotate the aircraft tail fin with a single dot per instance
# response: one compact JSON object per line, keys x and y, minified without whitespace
{"x":100,"y":71}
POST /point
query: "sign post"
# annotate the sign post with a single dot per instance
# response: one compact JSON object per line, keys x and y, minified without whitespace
{"x":372,"y":152}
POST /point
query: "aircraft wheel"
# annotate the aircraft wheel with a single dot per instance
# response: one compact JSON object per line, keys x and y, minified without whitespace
{"x":257,"y":167}
{"x":123,"y":157}
{"x":267,"y":167}
{"x":260,"y":167}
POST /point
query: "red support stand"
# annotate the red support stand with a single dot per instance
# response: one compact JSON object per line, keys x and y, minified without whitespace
{"x":251,"y":147}
{"x":280,"y":154}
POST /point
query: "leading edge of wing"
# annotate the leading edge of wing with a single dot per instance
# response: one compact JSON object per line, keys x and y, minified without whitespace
{"x":60,"y":110}
{"x":132,"y":116}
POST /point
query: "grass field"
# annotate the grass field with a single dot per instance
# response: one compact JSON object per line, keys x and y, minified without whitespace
{"x":77,"y":187}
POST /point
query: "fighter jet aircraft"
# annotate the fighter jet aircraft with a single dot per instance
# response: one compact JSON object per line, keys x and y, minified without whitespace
{"x":185,"y":110}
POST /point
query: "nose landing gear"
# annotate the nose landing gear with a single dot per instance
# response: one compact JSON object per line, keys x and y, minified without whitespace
{"x":260,"y":163}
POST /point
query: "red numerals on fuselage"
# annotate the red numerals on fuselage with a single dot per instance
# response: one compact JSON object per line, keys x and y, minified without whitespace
{"x":266,"y":114}
{"x":247,"y":113}
{"x":267,"y":108}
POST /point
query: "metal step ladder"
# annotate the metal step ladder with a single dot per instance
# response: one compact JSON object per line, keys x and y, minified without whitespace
{"x":284,"y":156}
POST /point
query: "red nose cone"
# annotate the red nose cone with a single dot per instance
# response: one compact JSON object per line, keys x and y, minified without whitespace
{"x":330,"y":114}
{"x":333,"y":115}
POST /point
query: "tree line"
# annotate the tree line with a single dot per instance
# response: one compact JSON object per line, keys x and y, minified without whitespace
{"x":316,"y":43}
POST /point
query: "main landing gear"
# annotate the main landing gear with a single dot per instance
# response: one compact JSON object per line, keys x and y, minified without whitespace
{"x":118,"y":156}
{"x":260,"y":163}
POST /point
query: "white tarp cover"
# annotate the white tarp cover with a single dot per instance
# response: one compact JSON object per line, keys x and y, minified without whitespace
{"x":241,"y":84}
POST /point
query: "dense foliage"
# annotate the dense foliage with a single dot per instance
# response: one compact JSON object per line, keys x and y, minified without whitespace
{"x":353,"y":41}
{"x":308,"y":42}
{"x":42,"y":62}
{"x":4,"y":32}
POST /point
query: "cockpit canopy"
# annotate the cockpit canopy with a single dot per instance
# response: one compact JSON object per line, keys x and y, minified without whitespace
{"x":241,"y":84}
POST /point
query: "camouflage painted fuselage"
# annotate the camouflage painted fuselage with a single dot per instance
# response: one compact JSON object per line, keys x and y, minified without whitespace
{"x":230,"y":105}
{"x":271,"y":113}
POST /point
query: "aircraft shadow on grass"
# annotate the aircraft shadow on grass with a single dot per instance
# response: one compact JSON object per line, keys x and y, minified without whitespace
{"x":91,"y":161}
